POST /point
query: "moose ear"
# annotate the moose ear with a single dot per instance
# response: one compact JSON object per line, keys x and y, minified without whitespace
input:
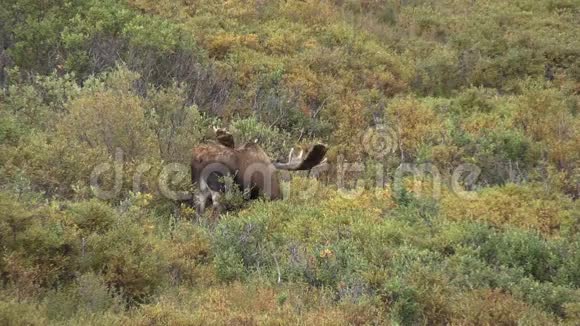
{"x":314,"y":157}
{"x":224,"y":137}
{"x":227,"y":140}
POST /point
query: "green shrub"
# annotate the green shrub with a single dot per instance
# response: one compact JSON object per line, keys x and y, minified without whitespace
{"x":489,"y":306}
{"x":402,"y":302}
{"x":242,"y":241}
{"x":529,"y":207}
{"x":18,"y":313}
{"x":38,"y":248}
{"x":271,"y":139}
{"x":229,"y":265}
{"x":53,"y":248}
{"x":547,"y":296}
{"x":11,"y":130}
{"x":520,"y":249}
{"x":466,"y":271}
{"x":131,"y":261}
{"x":438,"y":73}
{"x":93,"y":216}
{"x":234,"y":198}
{"x":178,"y":127}
{"x":191,"y":256}
{"x":109,"y":115}
{"x":87,"y":295}
{"x":569,"y":271}
{"x":14,"y":219}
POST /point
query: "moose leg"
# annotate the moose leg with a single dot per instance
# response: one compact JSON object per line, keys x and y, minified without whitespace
{"x":200,"y":205}
{"x":202,"y":198}
{"x":216,"y":202}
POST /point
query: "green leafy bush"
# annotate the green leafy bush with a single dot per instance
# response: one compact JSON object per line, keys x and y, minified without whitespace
{"x":87,"y":295}
{"x":130,"y":260}
{"x":271,"y":139}
{"x":93,"y":216}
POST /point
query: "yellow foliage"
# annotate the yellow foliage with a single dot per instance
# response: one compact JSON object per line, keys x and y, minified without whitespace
{"x":244,"y":304}
{"x":414,"y":122}
{"x":481,"y":123}
{"x":106,"y":118}
{"x":220,"y":45}
{"x":371,"y":203}
{"x":303,"y":80}
{"x":494,"y":307}
{"x":283,"y":43}
{"x":511,"y":205}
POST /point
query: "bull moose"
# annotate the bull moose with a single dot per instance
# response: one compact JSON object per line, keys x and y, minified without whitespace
{"x":248,"y":165}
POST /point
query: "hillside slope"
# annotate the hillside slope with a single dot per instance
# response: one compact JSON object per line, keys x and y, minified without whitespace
{"x":453,"y":129}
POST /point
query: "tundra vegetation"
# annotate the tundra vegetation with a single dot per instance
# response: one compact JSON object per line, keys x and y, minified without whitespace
{"x":493,"y":84}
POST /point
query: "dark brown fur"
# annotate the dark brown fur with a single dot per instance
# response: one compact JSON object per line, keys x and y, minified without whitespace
{"x":248,"y":165}
{"x":225,"y":138}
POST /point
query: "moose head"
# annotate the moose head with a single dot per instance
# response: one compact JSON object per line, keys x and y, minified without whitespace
{"x":248,"y":165}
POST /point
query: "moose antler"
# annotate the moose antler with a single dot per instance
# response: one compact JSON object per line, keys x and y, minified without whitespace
{"x":314,"y":157}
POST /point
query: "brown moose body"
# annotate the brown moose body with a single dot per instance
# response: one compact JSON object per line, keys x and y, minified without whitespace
{"x":248,"y":165}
